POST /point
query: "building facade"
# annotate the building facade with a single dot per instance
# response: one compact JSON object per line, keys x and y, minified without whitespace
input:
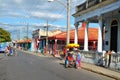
{"x":35,"y":40}
{"x":39,"y":38}
{"x":107,"y":14}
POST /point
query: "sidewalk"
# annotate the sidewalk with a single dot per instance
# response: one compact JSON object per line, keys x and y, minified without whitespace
{"x":87,"y":66}
{"x":99,"y":70}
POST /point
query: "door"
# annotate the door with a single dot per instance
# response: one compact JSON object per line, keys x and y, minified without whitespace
{"x":114,"y":35}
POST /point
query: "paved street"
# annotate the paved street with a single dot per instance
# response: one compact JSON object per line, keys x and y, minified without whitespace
{"x":29,"y":67}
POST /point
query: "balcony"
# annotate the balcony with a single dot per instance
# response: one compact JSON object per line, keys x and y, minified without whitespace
{"x":91,"y":5}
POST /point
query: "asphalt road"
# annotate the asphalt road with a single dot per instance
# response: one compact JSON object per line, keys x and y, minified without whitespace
{"x":29,"y":67}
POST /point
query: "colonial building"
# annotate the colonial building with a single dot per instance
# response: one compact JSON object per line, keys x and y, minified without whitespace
{"x":92,"y":37}
{"x":39,"y":38}
{"x":107,"y":14}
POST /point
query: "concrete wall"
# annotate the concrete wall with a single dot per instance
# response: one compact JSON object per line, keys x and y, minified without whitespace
{"x":93,"y":57}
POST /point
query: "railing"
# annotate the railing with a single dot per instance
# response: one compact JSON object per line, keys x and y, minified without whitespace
{"x":93,"y":57}
{"x":92,"y":3}
{"x":88,"y":4}
{"x":81,"y":7}
{"x":116,"y":60}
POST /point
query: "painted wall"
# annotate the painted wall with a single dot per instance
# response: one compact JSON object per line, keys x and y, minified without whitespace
{"x":119,"y":34}
{"x":107,"y":35}
{"x":93,"y":57}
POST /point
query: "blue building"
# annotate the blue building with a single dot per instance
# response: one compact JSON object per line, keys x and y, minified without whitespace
{"x":107,"y":14}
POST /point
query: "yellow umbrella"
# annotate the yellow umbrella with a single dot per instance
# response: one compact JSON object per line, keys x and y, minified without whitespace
{"x":72,"y":45}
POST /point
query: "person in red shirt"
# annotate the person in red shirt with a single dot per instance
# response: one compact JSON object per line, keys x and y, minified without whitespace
{"x":70,"y":57}
{"x":69,"y":60}
{"x":64,"y":52}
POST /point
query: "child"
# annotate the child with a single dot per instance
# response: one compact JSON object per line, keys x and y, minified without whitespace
{"x":78,"y":59}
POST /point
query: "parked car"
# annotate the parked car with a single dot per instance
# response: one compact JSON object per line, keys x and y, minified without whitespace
{"x":2,"y":47}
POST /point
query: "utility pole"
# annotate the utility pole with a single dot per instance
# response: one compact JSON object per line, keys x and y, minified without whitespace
{"x":68,"y":22}
{"x":68,"y":19}
{"x":27,"y":36}
{"x":46,"y":36}
{"x":19,"y":34}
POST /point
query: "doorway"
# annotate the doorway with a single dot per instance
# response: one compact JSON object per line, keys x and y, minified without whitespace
{"x":114,"y":35}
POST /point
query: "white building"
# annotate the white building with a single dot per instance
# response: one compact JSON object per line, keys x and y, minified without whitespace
{"x":107,"y":14}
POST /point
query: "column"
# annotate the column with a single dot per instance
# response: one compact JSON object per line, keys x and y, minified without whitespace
{"x":99,"y":45}
{"x":100,"y":0}
{"x":86,"y":3}
{"x":55,"y":47}
{"x":86,"y":37}
{"x":33,"y":45}
{"x":76,"y":33}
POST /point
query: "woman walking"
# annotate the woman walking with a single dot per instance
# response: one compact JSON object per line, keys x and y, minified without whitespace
{"x":78,"y":59}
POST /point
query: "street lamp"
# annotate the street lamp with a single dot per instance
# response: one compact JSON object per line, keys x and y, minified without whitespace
{"x":68,"y":19}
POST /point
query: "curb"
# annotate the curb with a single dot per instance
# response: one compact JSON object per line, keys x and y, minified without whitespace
{"x":111,"y":76}
{"x":36,"y":54}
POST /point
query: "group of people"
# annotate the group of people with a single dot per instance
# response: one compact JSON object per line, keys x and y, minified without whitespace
{"x":73,"y":57}
{"x":8,"y":50}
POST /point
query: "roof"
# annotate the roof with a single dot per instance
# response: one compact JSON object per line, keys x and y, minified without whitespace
{"x":92,"y":34}
{"x":24,"y":41}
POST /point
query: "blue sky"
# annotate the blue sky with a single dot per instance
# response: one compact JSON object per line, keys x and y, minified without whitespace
{"x":16,"y":14}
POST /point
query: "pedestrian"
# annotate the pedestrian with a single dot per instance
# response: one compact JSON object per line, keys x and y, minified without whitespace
{"x":10,"y":51}
{"x":110,"y":52}
{"x":6,"y":50}
{"x":14,"y":52}
{"x":78,"y":59}
{"x":64,"y":52}
{"x":106,"y":58}
{"x":45,"y":50}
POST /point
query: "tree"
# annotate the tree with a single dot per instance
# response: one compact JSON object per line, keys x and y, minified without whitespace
{"x":4,"y":36}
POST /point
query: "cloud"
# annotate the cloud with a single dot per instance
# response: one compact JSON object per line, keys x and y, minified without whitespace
{"x":36,"y":9}
{"x":30,"y":10}
{"x":45,"y":15}
{"x":18,"y":1}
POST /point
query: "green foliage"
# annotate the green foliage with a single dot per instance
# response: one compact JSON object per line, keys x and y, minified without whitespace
{"x":4,"y":36}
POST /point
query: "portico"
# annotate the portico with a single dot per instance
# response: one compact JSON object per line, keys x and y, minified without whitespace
{"x":106,"y":14}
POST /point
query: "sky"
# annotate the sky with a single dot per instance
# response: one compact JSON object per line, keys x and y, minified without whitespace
{"x":16,"y":15}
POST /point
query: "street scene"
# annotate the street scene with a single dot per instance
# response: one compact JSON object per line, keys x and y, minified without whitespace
{"x":26,"y":66}
{"x":60,"y":40}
